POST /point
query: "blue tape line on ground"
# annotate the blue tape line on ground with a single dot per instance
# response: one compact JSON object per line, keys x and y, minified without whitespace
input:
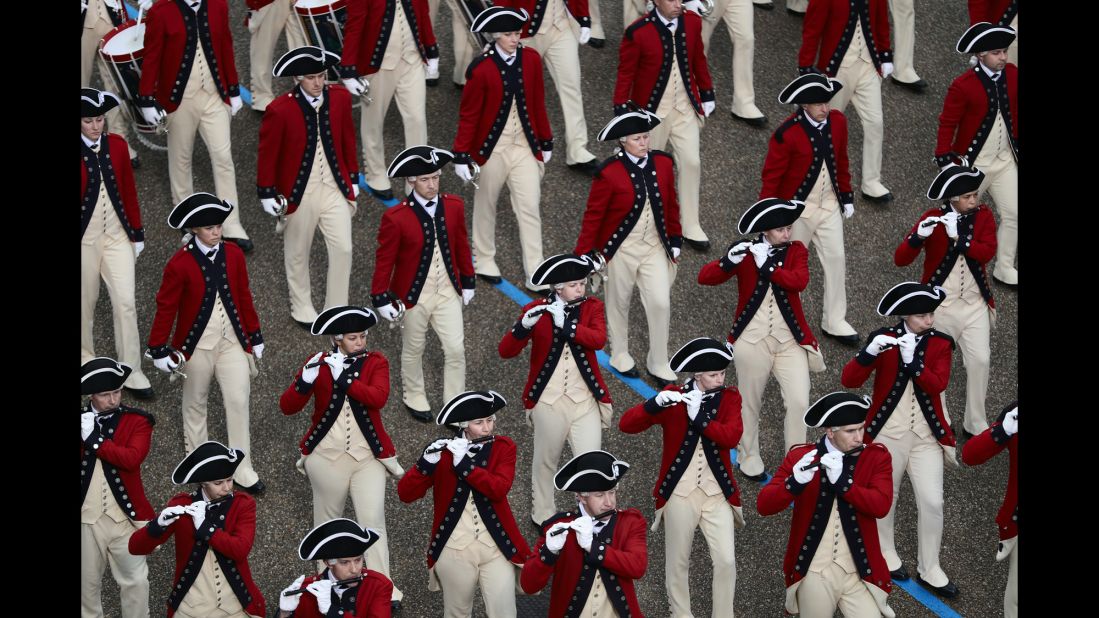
{"x":513,"y":292}
{"x":927,"y":598}
{"x":362,"y":185}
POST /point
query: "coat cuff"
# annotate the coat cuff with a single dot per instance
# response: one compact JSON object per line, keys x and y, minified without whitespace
{"x":146,"y":101}
{"x":546,"y":144}
{"x":706,"y":95}
{"x":425,"y":467}
{"x":676,"y":242}
{"x":886,"y":56}
{"x":846,"y":480}
{"x":95,"y":439}
{"x":234,"y":90}
{"x":206,"y":530}
{"x":154,"y":529}
{"x":999,"y":436}
{"x":847,"y":197}
{"x":469,"y":282}
{"x":464,"y":467}
{"x":652,"y":407}
{"x":462,"y":158}
{"x":915,"y":241}
{"x":139,"y":235}
{"x":700,"y":421}
{"x":159,"y":351}
{"x":256,"y":338}
{"x":620,"y":108}
{"x":519,"y":331}
{"x":381,"y":300}
{"x":598,"y":553}
{"x":432,"y":51}
{"x":793,"y":486}
{"x":347,"y":71}
{"x":302,"y":387}
{"x":945,"y":159}
{"x":913,"y":369}
{"x":546,"y":556}
{"x":865,"y":358}
{"x":808,"y":70}
{"x":585,"y":22}
{"x":570,"y":328}
{"x":726,"y":264}
{"x":267,"y":192}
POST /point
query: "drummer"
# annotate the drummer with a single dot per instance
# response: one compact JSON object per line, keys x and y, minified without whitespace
{"x":97,"y":20}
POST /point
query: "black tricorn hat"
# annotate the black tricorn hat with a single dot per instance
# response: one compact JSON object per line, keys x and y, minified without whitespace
{"x":911,"y":298}
{"x":768,"y":214}
{"x":629,"y":123}
{"x":210,"y":461}
{"x":102,"y":375}
{"x":94,"y":103}
{"x":499,"y":19}
{"x":590,"y":471}
{"x":702,"y":354}
{"x":562,"y":268}
{"x":810,"y":88}
{"x":343,"y":319}
{"x":955,"y":180}
{"x":199,"y":210}
{"x":419,"y":160}
{"x":470,"y":406}
{"x":983,"y":36}
{"x":306,"y":60}
{"x":837,"y":410}
{"x":337,"y":538}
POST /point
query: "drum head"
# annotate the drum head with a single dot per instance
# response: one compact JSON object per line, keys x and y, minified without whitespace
{"x":125,"y":42}
{"x":318,"y":7}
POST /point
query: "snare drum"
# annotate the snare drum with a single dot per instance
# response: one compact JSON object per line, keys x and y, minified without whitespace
{"x":121,"y":53}
{"x":323,"y":22}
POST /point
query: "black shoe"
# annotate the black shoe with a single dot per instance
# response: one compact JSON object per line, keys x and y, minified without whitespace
{"x":947,"y":591}
{"x":919,"y":86}
{"x":880,"y":199}
{"x":698,"y":245}
{"x":632,"y":373}
{"x":660,"y":382}
{"x":770,"y":6}
{"x":587,"y":167}
{"x":394,"y":606}
{"x":432,"y":83}
{"x":141,"y":393}
{"x":965,"y":434}
{"x":306,"y":326}
{"x":901,"y":574}
{"x":759,"y":122}
{"x":424,"y":416}
{"x":847,"y":340}
{"x":245,"y":244}
{"x":135,"y":162}
{"x":258,"y":488}
{"x":597,"y":43}
{"x":493,"y":279}
{"x":1005,"y":283}
{"x":381,"y":195}
{"x":537,"y":527}
{"x":794,"y":13}
{"x":759,"y":478}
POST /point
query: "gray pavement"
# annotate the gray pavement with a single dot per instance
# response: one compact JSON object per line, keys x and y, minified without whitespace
{"x":732,"y":157}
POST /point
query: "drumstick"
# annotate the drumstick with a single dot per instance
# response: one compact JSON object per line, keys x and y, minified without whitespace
{"x":599,"y":516}
{"x":342,"y":582}
{"x":850,"y":452}
{"x":471,"y":442}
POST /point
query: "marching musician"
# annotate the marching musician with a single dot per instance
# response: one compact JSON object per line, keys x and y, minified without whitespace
{"x":911,"y":363}
{"x":204,"y":293}
{"x":346,"y":449}
{"x":700,"y":422}
{"x":769,"y":330}
{"x":214,"y":528}
{"x":503,"y":128}
{"x":98,"y":17}
{"x":471,"y":474}
{"x":345,"y":587}
{"x":958,"y":238}
{"x":266,"y":20}
{"x":839,"y":487}
{"x":423,"y":274}
{"x":111,"y":235}
{"x":114,"y":441}
{"x":390,"y":42}
{"x":593,"y":552}
{"x":662,"y":67}
{"x":307,"y":155}
{"x":1000,"y":13}
{"x":632,"y":222}
{"x":738,"y":17}
{"x":565,"y":396}
{"x":189,"y":75}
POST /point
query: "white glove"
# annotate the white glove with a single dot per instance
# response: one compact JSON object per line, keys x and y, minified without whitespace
{"x":458,"y":447}
{"x":668,"y":398}
{"x":389,"y":312}
{"x":557,"y":310}
{"x":531,"y":317}
{"x":848,"y":210}
{"x":907,"y":344}
{"x":708,"y":108}
{"x":555,"y":543}
{"x":354,"y":86}
{"x":257,"y":351}
{"x":693,"y":5}
{"x":144,"y":5}
{"x":433,"y":458}
{"x":463,"y":172}
{"x":197,"y":511}
{"x":879,"y":343}
{"x":309,"y":374}
{"x":139,"y":246}
{"x":759,"y":253}
{"x":151,"y":115}
{"x":927,"y":226}
{"x":432,"y":71}
{"x":168,"y":515}
{"x":1011,"y":422}
{"x":585,"y":531}
{"x":165,"y":364}
{"x":546,"y":154}
{"x":290,"y":603}
{"x":355,"y":191}
{"x":950,"y":223}
{"x":693,"y":401}
{"x":675,"y":253}
{"x":87,"y":424}
{"x":804,"y":476}
{"x":585,"y":35}
{"x":886,"y":69}
{"x":335,"y":363}
{"x":234,"y":105}
{"x":736,"y":252}
{"x":467,"y":295}
{"x":322,"y":589}
{"x":833,"y":465}
{"x":270,"y":206}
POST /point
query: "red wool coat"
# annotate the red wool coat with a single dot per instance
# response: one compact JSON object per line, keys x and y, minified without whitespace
{"x":790,"y":158}
{"x":123,"y":179}
{"x":126,"y":449}
{"x":641,"y":63}
{"x":368,"y":28}
{"x":981,"y":244}
{"x":992,"y":11}
{"x":372,"y":597}
{"x":823,"y":33}
{"x":965,"y":109}
{"x":578,"y":9}
{"x":983,"y":447}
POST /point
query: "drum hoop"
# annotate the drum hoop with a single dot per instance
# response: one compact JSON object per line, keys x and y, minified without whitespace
{"x":316,"y":11}
{"x":136,"y":54}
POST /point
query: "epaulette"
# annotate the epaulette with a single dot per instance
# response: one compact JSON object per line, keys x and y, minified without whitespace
{"x":638,"y":23}
{"x":138,"y":411}
{"x":939,"y":333}
{"x":474,"y":63}
{"x":556,"y":517}
{"x":791,"y":121}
